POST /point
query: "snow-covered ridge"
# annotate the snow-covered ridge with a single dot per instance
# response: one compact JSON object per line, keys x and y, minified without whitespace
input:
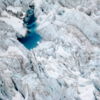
{"x":15,"y":22}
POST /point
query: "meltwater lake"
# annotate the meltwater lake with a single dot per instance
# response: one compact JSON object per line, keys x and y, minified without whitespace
{"x":32,"y":38}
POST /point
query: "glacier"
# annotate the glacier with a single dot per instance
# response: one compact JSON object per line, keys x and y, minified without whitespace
{"x":65,"y":65}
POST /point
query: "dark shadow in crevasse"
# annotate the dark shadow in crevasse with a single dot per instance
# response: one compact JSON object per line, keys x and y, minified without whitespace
{"x":32,"y":38}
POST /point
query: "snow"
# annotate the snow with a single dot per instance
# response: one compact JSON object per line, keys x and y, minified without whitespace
{"x":14,"y":9}
{"x":65,"y":64}
{"x":86,"y":92}
{"x":18,"y":96}
{"x":15,"y":22}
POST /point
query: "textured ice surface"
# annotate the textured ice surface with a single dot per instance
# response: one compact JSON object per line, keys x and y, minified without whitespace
{"x":65,"y":65}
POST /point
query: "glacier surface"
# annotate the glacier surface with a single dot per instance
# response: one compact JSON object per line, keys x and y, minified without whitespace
{"x":66,"y":63}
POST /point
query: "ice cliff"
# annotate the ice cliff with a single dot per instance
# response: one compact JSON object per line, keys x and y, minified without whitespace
{"x":66,"y":63}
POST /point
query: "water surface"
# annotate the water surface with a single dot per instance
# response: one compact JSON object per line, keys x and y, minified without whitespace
{"x":33,"y":38}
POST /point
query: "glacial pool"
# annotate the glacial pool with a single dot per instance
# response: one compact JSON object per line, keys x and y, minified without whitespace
{"x":32,"y":38}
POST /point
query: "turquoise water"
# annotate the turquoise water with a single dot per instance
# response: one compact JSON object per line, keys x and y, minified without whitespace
{"x":31,"y":40}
